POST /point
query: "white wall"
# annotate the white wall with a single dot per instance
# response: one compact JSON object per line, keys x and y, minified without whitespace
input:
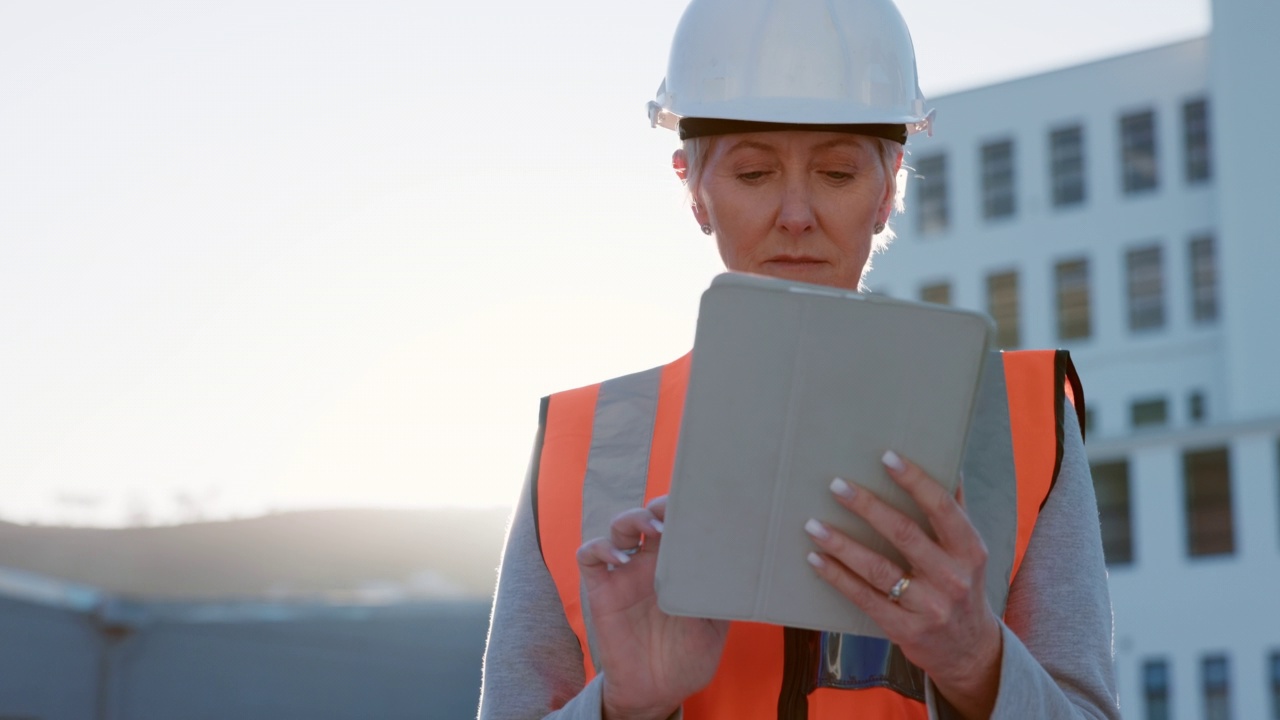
{"x":1247,"y":99}
{"x":1172,"y":606}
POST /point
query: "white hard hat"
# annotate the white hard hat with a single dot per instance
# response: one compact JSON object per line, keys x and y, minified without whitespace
{"x":809,"y":62}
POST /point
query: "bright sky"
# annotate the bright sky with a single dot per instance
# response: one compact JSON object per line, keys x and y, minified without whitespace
{"x":265,"y":255}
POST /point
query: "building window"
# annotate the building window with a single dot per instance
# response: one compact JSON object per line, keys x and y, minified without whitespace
{"x":997,"y":180}
{"x":1155,"y":689}
{"x":1072,"y":278}
{"x":1215,"y":673}
{"x":1206,"y":477}
{"x":1146,"y":288}
{"x":1002,"y":306}
{"x":1196,"y":407}
{"x":938,"y":293}
{"x":1138,"y":151}
{"x":1195,"y":135}
{"x":1151,"y":412}
{"x":1274,"y":671}
{"x":1204,"y":280}
{"x":1111,"y":485}
{"x":1066,"y":165}
{"x":931,"y":173}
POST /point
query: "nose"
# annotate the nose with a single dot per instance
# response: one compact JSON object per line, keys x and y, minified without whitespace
{"x":795,"y":216}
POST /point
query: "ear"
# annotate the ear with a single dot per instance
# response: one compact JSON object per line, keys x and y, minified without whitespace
{"x":680,"y":164}
{"x":890,"y":191}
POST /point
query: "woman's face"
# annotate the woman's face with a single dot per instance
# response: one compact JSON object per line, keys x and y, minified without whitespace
{"x":799,"y":205}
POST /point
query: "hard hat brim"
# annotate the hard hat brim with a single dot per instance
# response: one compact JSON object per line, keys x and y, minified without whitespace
{"x":702,"y":127}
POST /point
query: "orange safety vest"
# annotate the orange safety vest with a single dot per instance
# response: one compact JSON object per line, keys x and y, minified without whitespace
{"x":610,"y":447}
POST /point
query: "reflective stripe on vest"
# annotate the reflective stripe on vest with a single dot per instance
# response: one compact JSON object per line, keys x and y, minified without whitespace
{"x":610,"y":447}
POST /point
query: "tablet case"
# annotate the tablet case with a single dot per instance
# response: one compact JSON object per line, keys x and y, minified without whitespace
{"x":793,"y":385}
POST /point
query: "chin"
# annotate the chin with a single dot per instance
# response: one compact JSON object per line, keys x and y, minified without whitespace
{"x":812,"y":273}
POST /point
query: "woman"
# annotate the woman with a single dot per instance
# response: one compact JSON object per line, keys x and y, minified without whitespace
{"x":793,"y":116}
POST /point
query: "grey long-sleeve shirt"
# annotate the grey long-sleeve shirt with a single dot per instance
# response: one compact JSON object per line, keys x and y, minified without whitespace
{"x":1056,"y":663}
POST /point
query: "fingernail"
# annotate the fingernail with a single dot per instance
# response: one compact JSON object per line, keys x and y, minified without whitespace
{"x":842,"y":488}
{"x":816,"y":529}
{"x":621,"y":557}
{"x":816,"y":560}
{"x":656,"y":525}
{"x":892,"y":461}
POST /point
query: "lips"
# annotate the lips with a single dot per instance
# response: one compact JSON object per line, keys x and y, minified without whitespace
{"x":795,"y":260}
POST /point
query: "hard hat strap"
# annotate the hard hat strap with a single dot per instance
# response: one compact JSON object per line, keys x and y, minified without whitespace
{"x":702,"y":127}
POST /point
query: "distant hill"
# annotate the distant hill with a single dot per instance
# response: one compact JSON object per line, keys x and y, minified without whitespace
{"x":355,"y":555}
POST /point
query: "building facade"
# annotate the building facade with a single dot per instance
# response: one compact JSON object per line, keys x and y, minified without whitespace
{"x":1128,"y":210}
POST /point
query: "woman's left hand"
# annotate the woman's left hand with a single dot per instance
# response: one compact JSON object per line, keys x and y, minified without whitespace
{"x":941,"y":620}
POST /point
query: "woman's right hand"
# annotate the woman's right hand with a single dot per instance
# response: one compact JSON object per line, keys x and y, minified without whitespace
{"x":651,"y":661}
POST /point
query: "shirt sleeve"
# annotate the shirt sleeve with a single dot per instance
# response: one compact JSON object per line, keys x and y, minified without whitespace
{"x":532,"y":661}
{"x":1058,"y":658}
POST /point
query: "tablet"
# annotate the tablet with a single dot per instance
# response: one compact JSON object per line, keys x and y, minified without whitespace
{"x":792,"y":385}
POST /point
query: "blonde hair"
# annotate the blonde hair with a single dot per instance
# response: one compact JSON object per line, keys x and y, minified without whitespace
{"x":697,"y":150}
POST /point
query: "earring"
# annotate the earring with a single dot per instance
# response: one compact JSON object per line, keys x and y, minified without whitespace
{"x":879,"y":228}
{"x":706,"y":229}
